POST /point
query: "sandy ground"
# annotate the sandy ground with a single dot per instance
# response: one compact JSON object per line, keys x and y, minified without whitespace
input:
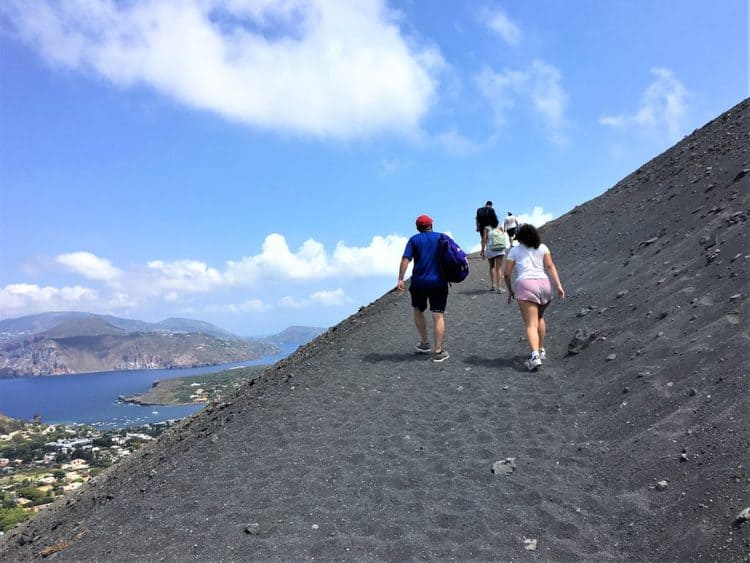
{"x":357,"y":448}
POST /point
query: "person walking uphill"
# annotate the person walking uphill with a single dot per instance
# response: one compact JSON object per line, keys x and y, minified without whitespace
{"x":427,"y":285}
{"x":510,"y":224}
{"x":493,"y":248}
{"x":533,"y":291}
{"x":485,"y":216}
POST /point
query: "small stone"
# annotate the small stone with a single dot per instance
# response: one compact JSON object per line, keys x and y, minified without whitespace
{"x":742,"y":517}
{"x":692,"y":393}
{"x":683,"y":457}
{"x":611,"y":357}
{"x":622,"y":293}
{"x":735,"y":297}
{"x":460,"y":388}
{"x":315,"y":527}
{"x":626,"y":390}
{"x":662,"y":485}
{"x":529,"y":544}
{"x":505,"y":466}
{"x":252,"y":529}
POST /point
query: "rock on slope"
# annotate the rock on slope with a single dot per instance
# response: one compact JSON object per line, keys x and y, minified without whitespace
{"x":353,"y":448}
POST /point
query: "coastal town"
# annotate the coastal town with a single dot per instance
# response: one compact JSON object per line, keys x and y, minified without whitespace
{"x":40,"y":462}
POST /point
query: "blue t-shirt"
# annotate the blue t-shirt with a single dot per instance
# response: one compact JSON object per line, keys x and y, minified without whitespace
{"x":423,"y":249}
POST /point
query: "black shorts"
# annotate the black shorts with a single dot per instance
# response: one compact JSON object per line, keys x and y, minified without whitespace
{"x":511,"y":232}
{"x":438,"y":297}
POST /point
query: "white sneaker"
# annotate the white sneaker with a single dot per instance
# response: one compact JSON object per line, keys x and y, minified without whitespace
{"x":533,"y":363}
{"x":542,"y":354}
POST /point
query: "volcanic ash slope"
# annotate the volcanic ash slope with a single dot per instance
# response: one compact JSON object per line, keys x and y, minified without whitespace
{"x":633,"y":446}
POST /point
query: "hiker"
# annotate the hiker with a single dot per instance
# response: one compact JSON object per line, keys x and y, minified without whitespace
{"x":427,"y":284}
{"x":510,"y":224}
{"x":493,"y":248}
{"x":485,"y":215}
{"x":533,"y":291}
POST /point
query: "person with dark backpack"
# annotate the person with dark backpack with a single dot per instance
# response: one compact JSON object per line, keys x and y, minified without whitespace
{"x":485,"y":216}
{"x":431,"y":253}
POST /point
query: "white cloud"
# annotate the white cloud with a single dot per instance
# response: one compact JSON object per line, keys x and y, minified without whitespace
{"x":537,"y":217}
{"x":23,"y":298}
{"x":173,"y":282}
{"x":334,"y":298}
{"x":499,"y":22}
{"x":454,"y":142}
{"x":248,"y":306}
{"x":277,"y":261}
{"x":89,"y":265}
{"x":379,"y":258}
{"x":538,"y":89}
{"x":662,"y":107}
{"x":325,"y":298}
{"x":314,"y":67}
{"x":184,"y":275}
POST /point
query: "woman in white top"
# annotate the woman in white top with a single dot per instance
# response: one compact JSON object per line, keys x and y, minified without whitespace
{"x":493,"y":248}
{"x":533,"y":292}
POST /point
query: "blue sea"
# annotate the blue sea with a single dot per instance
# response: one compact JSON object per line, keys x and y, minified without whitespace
{"x":91,"y":398}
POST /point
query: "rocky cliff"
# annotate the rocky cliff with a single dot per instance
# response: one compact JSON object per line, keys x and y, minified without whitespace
{"x":47,"y":354}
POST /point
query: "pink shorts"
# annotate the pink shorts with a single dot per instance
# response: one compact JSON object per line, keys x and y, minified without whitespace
{"x":537,"y":291}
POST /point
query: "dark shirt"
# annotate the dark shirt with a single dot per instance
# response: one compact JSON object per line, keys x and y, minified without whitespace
{"x":486,"y":216}
{"x":423,"y":249}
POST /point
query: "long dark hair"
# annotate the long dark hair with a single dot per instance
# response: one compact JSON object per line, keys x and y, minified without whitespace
{"x":527,"y":235}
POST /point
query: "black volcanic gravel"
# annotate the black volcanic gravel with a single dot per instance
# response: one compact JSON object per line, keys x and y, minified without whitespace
{"x":356,"y":448}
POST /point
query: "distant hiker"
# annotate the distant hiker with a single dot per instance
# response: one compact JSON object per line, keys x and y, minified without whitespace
{"x":533,"y":290}
{"x":493,"y":248}
{"x":427,"y":284}
{"x":485,"y":216}
{"x":510,"y":224}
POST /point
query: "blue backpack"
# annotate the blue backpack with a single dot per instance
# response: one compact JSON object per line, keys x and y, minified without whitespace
{"x":454,"y":266}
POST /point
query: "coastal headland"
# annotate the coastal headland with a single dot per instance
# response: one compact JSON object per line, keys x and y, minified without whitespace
{"x":195,"y":389}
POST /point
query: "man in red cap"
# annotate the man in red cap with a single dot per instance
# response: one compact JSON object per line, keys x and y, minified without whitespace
{"x":427,"y":284}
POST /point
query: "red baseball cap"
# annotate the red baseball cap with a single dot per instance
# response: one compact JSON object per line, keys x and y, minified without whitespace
{"x":424,"y":221}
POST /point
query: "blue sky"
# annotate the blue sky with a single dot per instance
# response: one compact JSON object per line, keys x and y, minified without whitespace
{"x":258,"y":164}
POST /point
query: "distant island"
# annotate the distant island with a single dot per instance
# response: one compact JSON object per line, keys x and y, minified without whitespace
{"x":67,"y":343}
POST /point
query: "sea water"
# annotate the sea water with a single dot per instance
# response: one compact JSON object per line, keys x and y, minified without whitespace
{"x":92,"y":398}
